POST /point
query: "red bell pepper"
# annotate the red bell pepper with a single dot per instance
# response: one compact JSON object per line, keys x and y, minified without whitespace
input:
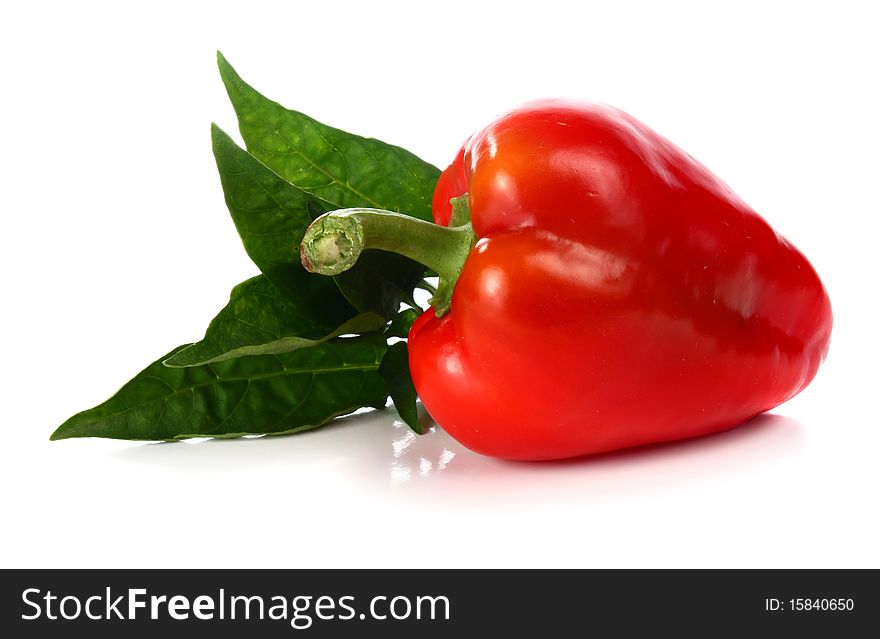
{"x":609,"y":291}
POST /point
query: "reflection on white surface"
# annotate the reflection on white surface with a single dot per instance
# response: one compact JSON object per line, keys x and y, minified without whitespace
{"x":375,"y":443}
{"x":417,"y":456}
{"x":378,"y":447}
{"x":377,"y":495}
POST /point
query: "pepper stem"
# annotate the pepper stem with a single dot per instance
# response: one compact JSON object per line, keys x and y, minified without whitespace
{"x":334,"y":241}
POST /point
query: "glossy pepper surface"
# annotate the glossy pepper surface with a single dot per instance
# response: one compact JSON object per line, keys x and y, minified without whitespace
{"x":619,"y":294}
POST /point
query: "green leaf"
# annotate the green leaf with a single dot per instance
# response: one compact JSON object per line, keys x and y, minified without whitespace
{"x":395,"y":371}
{"x":343,"y":168}
{"x":379,"y":282}
{"x":401,"y":323}
{"x":265,"y":394}
{"x":258,"y":320}
{"x":271,"y":216}
{"x":345,"y":171}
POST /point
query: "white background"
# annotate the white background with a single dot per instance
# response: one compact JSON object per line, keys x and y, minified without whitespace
{"x":116,"y":246}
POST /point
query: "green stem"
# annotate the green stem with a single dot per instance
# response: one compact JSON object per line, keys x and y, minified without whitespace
{"x":334,"y":241}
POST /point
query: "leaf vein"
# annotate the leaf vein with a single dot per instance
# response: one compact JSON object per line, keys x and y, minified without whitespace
{"x":294,"y":151}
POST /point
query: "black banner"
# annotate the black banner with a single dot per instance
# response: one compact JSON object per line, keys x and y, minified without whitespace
{"x":429,"y":603}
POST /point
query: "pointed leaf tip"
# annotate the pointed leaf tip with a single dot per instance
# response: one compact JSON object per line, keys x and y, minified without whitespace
{"x":223,"y":64}
{"x":286,"y":393}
